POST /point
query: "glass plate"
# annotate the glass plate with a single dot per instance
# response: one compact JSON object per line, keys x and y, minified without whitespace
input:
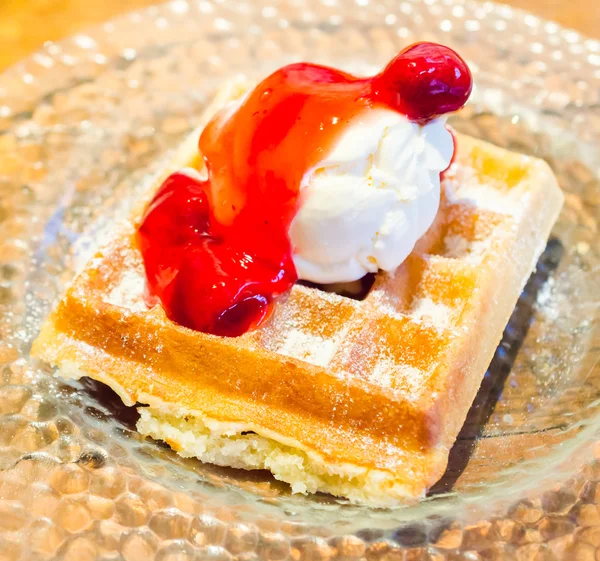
{"x":83,"y":122}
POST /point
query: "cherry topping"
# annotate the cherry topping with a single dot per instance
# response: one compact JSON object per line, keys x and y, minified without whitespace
{"x":204,"y":282}
{"x":217,"y":252}
{"x":222,"y":289}
{"x":177,"y":215}
{"x":425,"y":80}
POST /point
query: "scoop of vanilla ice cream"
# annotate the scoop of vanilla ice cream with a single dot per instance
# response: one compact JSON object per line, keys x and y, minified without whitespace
{"x":365,"y":205}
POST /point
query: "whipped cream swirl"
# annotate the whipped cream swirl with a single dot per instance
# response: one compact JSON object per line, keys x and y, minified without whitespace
{"x":365,"y":205}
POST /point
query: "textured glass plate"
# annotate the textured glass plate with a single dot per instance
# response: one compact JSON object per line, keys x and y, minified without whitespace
{"x":83,"y":122}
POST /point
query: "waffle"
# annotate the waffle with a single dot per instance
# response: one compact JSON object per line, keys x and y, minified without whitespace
{"x":359,"y":398}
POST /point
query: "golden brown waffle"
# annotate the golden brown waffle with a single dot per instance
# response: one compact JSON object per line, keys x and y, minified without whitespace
{"x":362,"y":399}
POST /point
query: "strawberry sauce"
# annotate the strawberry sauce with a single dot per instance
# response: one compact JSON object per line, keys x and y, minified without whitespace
{"x":217,"y":252}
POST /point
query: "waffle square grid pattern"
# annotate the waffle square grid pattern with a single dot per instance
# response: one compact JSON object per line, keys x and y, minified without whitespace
{"x":360,"y":398}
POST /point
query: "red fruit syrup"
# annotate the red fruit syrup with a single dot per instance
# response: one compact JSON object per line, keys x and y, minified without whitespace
{"x":217,"y":251}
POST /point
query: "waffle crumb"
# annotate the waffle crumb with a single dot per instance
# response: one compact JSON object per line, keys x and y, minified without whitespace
{"x":212,"y":442}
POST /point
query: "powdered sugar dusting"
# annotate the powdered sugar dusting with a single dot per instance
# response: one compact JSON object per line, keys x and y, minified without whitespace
{"x":485,"y":197}
{"x":309,"y":347}
{"x":128,"y":293}
{"x":458,"y":247}
{"x":463,"y":186}
{"x":391,"y":374}
{"x":388,"y":303}
{"x":437,"y":315}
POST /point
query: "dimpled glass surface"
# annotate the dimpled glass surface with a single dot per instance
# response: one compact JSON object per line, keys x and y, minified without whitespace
{"x":84,"y":121}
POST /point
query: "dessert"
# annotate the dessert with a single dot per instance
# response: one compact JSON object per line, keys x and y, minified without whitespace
{"x":359,"y":398}
{"x":316,"y":174}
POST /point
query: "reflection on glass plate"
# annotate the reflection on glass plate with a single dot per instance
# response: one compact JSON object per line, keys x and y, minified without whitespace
{"x":84,"y":122}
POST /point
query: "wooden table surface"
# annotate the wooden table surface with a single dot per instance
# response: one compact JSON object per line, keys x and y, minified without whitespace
{"x":26,"y":24}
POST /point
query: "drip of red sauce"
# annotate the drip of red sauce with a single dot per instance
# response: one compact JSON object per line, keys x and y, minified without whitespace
{"x":217,"y":252}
